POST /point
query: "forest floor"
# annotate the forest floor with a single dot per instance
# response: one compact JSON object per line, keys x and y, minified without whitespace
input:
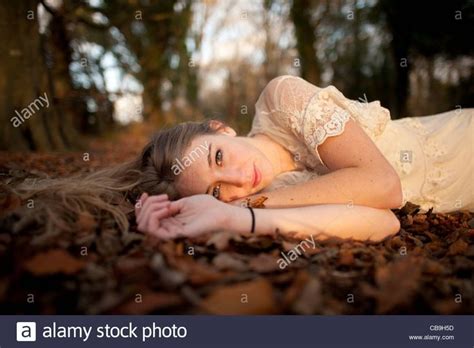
{"x":427,"y":268}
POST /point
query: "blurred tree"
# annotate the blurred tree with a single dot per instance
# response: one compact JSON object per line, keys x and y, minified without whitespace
{"x":302,"y":15}
{"x":25,"y":79}
{"x":368,"y":49}
{"x":349,"y":47}
{"x":427,"y":30}
{"x":155,"y":32}
{"x":68,"y":100}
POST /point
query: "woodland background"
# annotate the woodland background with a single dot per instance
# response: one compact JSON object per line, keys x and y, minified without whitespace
{"x":106,"y":64}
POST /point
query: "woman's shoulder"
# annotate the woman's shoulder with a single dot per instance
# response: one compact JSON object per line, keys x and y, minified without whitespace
{"x":311,"y":114}
{"x":285,"y":93}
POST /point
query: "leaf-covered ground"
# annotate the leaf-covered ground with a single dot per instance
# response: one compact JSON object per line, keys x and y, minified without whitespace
{"x":426,"y":268}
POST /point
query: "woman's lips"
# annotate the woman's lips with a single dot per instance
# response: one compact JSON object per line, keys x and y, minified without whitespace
{"x":257,"y":177}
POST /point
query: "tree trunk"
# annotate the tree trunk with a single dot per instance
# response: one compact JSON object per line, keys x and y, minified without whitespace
{"x":306,"y":40}
{"x":67,"y":99}
{"x":400,"y":45}
{"x":24,"y":80}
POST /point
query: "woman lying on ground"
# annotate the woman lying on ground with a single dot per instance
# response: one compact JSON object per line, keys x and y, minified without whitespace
{"x":328,"y":166}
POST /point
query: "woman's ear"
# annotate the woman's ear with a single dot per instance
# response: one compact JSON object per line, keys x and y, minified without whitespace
{"x":221,"y":128}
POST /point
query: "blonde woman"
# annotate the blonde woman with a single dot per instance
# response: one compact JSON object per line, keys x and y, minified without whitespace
{"x":329,"y":166}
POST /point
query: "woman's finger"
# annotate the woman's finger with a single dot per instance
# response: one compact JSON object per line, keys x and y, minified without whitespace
{"x":173,"y":229}
{"x":163,"y":232}
{"x":155,"y":218}
{"x":143,"y":215}
{"x":153,"y":207}
{"x":147,"y":217}
{"x":150,"y":201}
{"x":176,"y":206}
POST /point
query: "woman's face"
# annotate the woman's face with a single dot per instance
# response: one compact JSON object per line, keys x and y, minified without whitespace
{"x":224,"y":166}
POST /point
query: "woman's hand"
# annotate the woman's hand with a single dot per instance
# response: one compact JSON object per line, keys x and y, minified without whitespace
{"x":186,"y":217}
{"x":150,"y":210}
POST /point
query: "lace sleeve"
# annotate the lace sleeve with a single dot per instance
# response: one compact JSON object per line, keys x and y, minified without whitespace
{"x":313,"y":114}
{"x":308,"y":112}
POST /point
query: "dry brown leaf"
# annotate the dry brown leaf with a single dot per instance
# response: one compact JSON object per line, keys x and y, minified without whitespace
{"x":447,"y":306}
{"x":221,"y":239}
{"x":226,"y":261}
{"x":433,"y":267}
{"x":397,"y":283}
{"x":196,"y":272}
{"x":86,"y":222}
{"x":247,"y":298}
{"x":346,"y":257}
{"x":310,"y":299}
{"x":419,"y":218}
{"x":296,"y":287}
{"x":256,"y":203}
{"x":148,"y":302}
{"x":458,"y":247}
{"x":9,"y":203}
{"x":54,"y":261}
{"x":126,"y":265}
{"x":264,"y":263}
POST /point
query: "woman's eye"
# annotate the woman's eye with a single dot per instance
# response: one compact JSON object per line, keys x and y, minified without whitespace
{"x":216,"y":192}
{"x":219,"y":157}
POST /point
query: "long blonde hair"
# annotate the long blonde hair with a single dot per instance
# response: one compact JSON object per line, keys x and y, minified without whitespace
{"x":58,"y":203}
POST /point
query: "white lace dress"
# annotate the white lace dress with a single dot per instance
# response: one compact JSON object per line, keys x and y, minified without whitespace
{"x":433,"y":155}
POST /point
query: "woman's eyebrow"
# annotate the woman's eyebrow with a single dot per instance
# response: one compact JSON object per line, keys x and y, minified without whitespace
{"x":209,"y":155}
{"x":209,"y":161}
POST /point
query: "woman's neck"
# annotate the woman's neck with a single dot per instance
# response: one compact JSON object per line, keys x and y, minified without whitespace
{"x":280,"y":158}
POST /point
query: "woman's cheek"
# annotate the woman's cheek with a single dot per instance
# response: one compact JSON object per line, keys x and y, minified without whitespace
{"x":233,"y":193}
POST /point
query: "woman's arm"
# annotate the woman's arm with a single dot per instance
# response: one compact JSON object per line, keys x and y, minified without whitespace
{"x":328,"y":220}
{"x":192,"y":216}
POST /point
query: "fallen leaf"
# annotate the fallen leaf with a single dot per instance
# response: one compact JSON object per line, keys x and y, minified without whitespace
{"x":397,"y":283}
{"x":221,"y":239}
{"x":310,"y":299}
{"x":433,"y":267}
{"x":147,"y":302}
{"x":346,"y":257}
{"x":264,"y":263}
{"x":247,"y":298}
{"x":296,"y":287}
{"x":86,"y":222}
{"x":54,"y":261}
{"x":226,"y":261}
{"x":9,"y":203}
{"x":258,"y":202}
{"x":458,"y":247}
